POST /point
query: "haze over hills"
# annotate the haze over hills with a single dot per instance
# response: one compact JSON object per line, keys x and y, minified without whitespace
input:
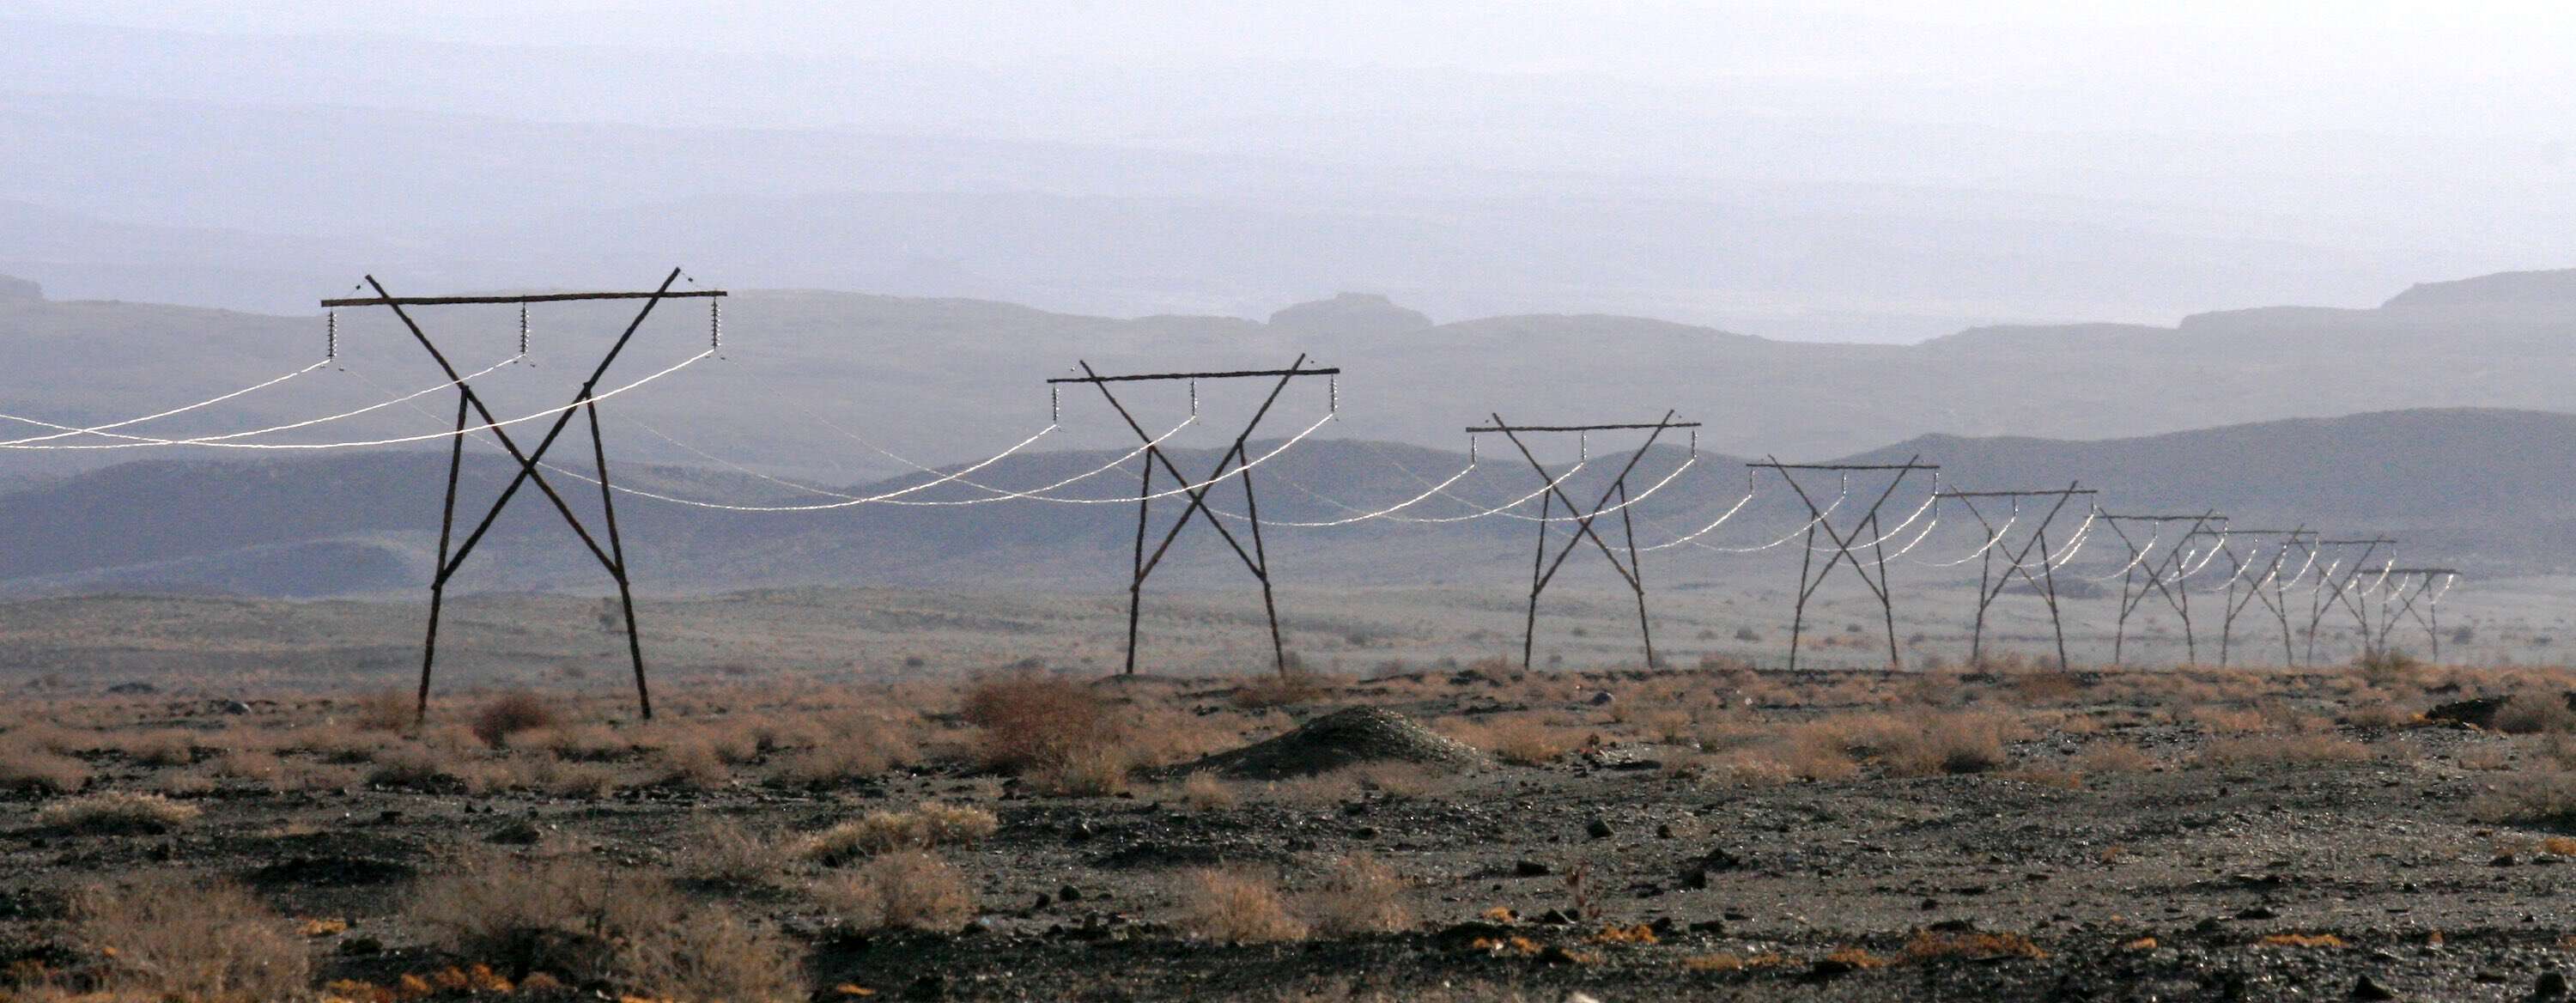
{"x":814,"y":383}
{"x":2491,"y":491}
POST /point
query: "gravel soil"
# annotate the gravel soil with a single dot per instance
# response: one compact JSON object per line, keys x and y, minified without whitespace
{"x":1610,"y":873}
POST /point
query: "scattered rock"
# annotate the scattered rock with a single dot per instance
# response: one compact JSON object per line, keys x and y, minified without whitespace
{"x":518,"y":833}
{"x":1343,"y":738}
{"x":2551,"y":985}
{"x":1531,"y":869}
{"x":1599,"y":828}
{"x":2367,"y":988}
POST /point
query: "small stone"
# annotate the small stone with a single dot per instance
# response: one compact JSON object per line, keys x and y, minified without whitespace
{"x":2367,"y":988}
{"x":1068,"y":893}
{"x":1601,"y":699}
{"x":1599,"y":829}
{"x":2257,"y":912}
{"x":519,"y":833}
{"x":1664,"y":830}
{"x":2502,"y":860}
{"x":2552,"y":985}
{"x":1531,"y":869}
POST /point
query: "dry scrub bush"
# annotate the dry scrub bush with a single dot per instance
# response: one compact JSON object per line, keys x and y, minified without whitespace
{"x":692,"y":762}
{"x":1294,"y":686}
{"x":719,"y":849}
{"x":1031,"y":721}
{"x":2228,"y":721}
{"x":556,"y":914}
{"x":2534,"y":797}
{"x":584,"y":743}
{"x":382,"y":710}
{"x":118,"y":812}
{"x":509,"y":714}
{"x":159,"y":748}
{"x":1235,"y":907}
{"x":928,"y":825}
{"x":2531,"y":713}
{"x":1204,"y":791}
{"x":1935,"y":744}
{"x":256,"y":767}
{"x":1357,"y":895}
{"x":907,"y":889}
{"x":711,"y":955}
{"x":208,"y":944}
{"x":1927,"y":945}
{"x":2114,"y":757}
{"x":852,"y":748}
{"x":27,"y":767}
{"x":1522,"y":741}
{"x":415,"y":767}
{"x":556,"y":778}
{"x":2283,"y":750}
{"x":1060,"y":735}
{"x":2376,"y":712}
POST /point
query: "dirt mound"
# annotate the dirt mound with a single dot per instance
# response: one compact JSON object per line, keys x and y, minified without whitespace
{"x":1343,"y":738}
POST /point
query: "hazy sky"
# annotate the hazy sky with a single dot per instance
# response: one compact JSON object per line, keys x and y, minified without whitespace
{"x":2494,"y":67}
{"x":1809,"y":170}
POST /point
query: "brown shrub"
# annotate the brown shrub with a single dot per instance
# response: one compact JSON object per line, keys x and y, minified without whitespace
{"x":909,"y":889}
{"x":167,"y":747}
{"x":257,"y":767}
{"x":1100,"y":771}
{"x":719,"y":849}
{"x":1033,"y":721}
{"x":2284,"y":749}
{"x":1935,"y":744}
{"x":210,"y":943}
{"x":2537,"y":797}
{"x":1204,"y":791}
{"x":118,"y":812}
{"x":29,"y":767}
{"x":694,"y":762}
{"x":509,"y":714}
{"x":557,"y":914}
{"x":2531,"y":713}
{"x":1523,"y":741}
{"x":842,"y":758}
{"x":2114,"y":757}
{"x":382,"y":710}
{"x":1294,"y":686}
{"x":1234,"y":906}
{"x":928,"y":825}
{"x":711,"y":955}
{"x":1357,"y":895}
{"x":1927,"y":945}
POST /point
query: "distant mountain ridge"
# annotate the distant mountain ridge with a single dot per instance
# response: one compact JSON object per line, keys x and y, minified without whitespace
{"x":939,"y":380}
{"x":2486,"y":489}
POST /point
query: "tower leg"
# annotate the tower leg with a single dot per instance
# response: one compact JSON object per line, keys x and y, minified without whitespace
{"x":1136,"y":576}
{"x":1538,"y":582}
{"x":438,"y":581}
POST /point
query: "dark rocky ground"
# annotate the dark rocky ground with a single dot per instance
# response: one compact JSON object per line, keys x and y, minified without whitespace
{"x":2197,"y":878}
